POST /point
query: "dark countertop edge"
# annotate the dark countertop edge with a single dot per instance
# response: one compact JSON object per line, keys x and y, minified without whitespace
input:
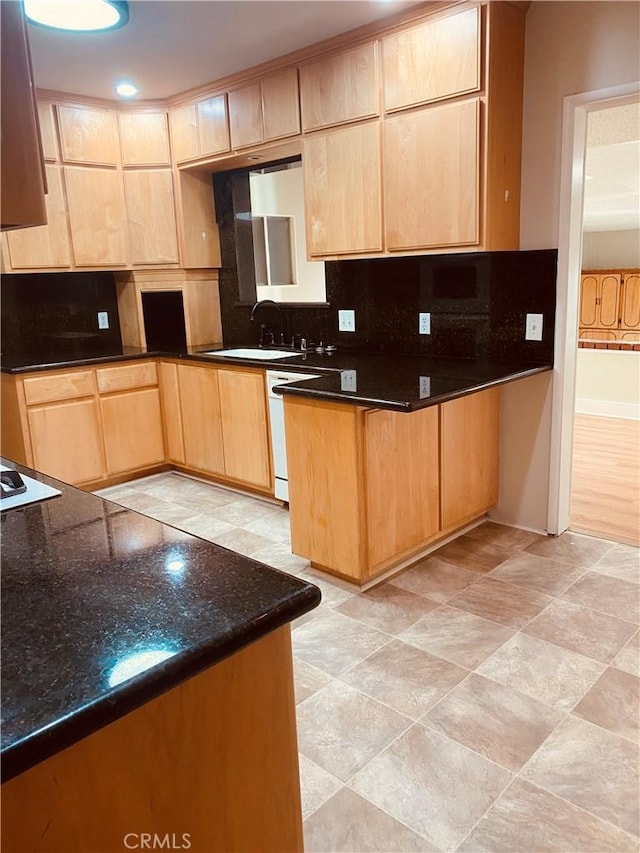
{"x":351,"y":399}
{"x":132,"y":694}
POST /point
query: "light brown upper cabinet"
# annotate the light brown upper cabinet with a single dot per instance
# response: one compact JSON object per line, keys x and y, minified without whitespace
{"x":144,"y":139}
{"x":600,"y":300}
{"x":47,"y":246}
{"x":340,"y":88}
{"x":630,"y":309}
{"x":47,"y":131}
{"x":265,"y":110}
{"x":342,"y":190}
{"x":431,"y":176}
{"x":97,"y":216}
{"x":437,"y":59}
{"x":199,"y":130}
{"x":151,"y":216}
{"x":245,"y":116}
{"x":88,"y":135}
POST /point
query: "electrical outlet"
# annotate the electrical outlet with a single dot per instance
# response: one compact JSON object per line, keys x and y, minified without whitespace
{"x":424,"y":323}
{"x":348,"y":380}
{"x":425,"y":387}
{"x":103,"y":319}
{"x":533,"y":330}
{"x":346,"y":321}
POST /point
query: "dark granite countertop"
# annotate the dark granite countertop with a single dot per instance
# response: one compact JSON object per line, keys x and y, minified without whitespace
{"x":380,"y":380}
{"x":93,"y":593}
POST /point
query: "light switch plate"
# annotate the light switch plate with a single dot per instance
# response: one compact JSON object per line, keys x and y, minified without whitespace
{"x":533,"y":331}
{"x":348,"y":380}
{"x":103,"y":319}
{"x":424,"y":323}
{"x":346,"y":321}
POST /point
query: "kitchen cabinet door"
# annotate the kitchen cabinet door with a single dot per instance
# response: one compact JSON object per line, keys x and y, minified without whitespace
{"x":431,"y":177}
{"x":66,"y":441}
{"x":588,"y":301}
{"x":144,"y":139}
{"x":171,"y":412}
{"x":132,"y":425}
{"x":47,"y":246}
{"x":469,"y":456}
{"x":281,"y":105}
{"x":342,"y":190}
{"x":89,"y":135}
{"x":47,"y":131}
{"x":151,"y":216}
{"x":630,"y":313}
{"x":245,"y":431}
{"x":213,"y":130}
{"x":97,"y":216}
{"x":609,"y":301}
{"x":340,"y":88}
{"x":201,"y":421}
{"x":183,"y":123}
{"x":245,"y":116}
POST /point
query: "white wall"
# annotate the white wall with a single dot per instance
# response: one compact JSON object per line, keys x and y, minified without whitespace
{"x":281,"y":193}
{"x":608,"y":383}
{"x":570,"y":47}
{"x":602,"y":250}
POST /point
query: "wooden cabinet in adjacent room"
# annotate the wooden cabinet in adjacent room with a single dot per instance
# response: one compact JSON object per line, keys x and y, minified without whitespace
{"x":600,"y":300}
{"x":630,"y":304}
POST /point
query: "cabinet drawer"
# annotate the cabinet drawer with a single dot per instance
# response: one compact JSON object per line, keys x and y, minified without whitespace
{"x":65,"y":386}
{"x":127,"y":376}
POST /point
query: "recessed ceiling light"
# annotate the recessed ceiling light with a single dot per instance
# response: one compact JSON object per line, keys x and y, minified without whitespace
{"x":126,"y":90}
{"x":78,"y":15}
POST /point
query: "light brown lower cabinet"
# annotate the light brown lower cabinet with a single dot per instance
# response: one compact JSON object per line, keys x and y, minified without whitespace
{"x":200,"y":414}
{"x":132,"y":426}
{"x":369,"y":489}
{"x":245,"y":431}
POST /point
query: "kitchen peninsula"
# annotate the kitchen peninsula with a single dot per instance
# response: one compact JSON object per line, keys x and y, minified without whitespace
{"x":147,"y":684}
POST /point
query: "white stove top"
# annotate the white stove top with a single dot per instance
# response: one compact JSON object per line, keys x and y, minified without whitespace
{"x":35,"y":492}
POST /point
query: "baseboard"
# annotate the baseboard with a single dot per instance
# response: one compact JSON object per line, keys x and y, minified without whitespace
{"x":607,"y":408}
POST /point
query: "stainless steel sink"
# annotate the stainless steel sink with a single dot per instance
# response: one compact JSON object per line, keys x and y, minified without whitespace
{"x":258,"y":354}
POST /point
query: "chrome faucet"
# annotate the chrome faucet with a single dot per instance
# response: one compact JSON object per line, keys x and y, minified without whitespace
{"x":262,"y":327}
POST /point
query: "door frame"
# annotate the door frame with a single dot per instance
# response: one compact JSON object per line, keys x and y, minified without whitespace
{"x":574,"y":146}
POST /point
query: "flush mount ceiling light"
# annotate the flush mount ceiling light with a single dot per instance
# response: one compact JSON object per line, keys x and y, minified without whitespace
{"x":78,"y":15}
{"x":126,"y":90}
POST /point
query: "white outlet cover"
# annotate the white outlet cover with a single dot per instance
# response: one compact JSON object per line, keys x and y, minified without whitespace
{"x":533,"y":331}
{"x":348,"y":380}
{"x":346,"y":320}
{"x":103,"y":319}
{"x":425,"y":387}
{"x":424,"y":323}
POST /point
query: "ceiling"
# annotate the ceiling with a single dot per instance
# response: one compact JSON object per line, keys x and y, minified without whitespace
{"x":170,"y":46}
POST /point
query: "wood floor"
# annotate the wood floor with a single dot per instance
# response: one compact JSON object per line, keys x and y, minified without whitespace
{"x":605,"y":491}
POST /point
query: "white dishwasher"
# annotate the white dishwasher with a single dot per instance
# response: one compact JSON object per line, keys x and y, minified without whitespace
{"x":276,"y":417}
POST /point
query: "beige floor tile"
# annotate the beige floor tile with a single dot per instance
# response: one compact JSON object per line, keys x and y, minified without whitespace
{"x":208,"y":504}
{"x":435,"y":578}
{"x":432,"y":784}
{"x":146,"y":504}
{"x":387,"y":608}
{"x":114,"y":493}
{"x":308,"y":679}
{"x":469,"y":553}
{"x":537,"y":573}
{"x":613,"y":703}
{"x":545,"y":672}
{"x":628,"y":658}
{"x":593,"y":769}
{"x":205,"y":526}
{"x":526,"y":818}
{"x":173,"y":514}
{"x":405,"y":678}
{"x":334,"y":592}
{"x":273,"y":525}
{"x":243,"y":541}
{"x":280,"y":557}
{"x":499,"y":723}
{"x":244,"y":511}
{"x":316,"y":786}
{"x":581,"y":630}
{"x":347,"y":823}
{"x":513,"y":538}
{"x":609,"y":595}
{"x":622,"y":561}
{"x":341,"y":729}
{"x":574,"y":548}
{"x":501,"y":602}
{"x":333,"y":643}
{"x":457,"y":636}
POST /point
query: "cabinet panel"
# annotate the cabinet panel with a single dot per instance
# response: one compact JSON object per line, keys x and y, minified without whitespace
{"x":588,"y":300}
{"x":126,"y":376}
{"x":132,"y":426}
{"x":59,"y":386}
{"x":438,"y":59}
{"x":401,"y":470}
{"x":200,"y":241}
{"x":469,"y":456}
{"x":431,"y":176}
{"x":245,"y":116}
{"x":144,"y":139}
{"x":342,"y":190}
{"x":213,"y":130}
{"x":171,"y":412}
{"x":47,"y":246}
{"x":340,"y":88}
{"x":151,"y":216}
{"x":201,"y":422}
{"x":630,"y":313}
{"x":247,"y":455}
{"x":609,"y":301}
{"x":97,"y":216}
{"x":183,"y":123}
{"x":88,"y":135}
{"x":66,"y":441}
{"x":47,"y":131}
{"x":281,"y":105}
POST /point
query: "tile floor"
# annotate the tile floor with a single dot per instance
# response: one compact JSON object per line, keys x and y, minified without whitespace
{"x":486,"y":699}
